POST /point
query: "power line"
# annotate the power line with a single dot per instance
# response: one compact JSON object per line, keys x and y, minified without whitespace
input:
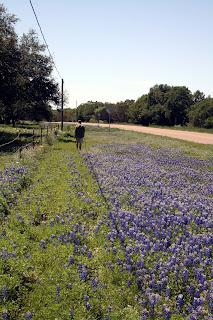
{"x":44,"y":38}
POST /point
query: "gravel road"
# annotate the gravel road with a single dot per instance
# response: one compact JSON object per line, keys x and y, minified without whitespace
{"x":198,"y":137}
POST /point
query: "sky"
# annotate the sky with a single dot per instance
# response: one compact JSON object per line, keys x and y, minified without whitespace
{"x":113,"y":50}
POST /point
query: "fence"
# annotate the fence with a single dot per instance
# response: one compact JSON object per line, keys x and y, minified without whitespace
{"x":44,"y":132}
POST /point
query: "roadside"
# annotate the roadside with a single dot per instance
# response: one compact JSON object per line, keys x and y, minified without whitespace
{"x":198,"y":137}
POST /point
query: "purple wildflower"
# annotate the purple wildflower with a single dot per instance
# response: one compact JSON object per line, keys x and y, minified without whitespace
{"x":89,"y":253}
{"x":83,"y":275}
{"x":28,"y":316}
{"x":43,"y":244}
{"x":88,"y":306}
{"x":4,"y":315}
{"x":57,"y":291}
{"x":180,"y":302}
{"x":4,"y":292}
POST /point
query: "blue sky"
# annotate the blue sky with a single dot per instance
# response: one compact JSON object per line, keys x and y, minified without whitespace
{"x":113,"y":50}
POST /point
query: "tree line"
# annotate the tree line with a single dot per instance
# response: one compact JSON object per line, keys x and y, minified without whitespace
{"x":164,"y":105}
{"x":28,"y":90}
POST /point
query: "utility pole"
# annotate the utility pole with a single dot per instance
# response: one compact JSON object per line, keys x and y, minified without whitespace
{"x":76,"y":110}
{"x":62,"y":104}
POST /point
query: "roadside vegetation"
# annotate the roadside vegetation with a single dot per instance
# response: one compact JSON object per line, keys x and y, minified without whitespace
{"x":120,"y":230}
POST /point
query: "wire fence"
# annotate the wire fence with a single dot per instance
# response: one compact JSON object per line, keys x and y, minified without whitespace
{"x":32,"y":140}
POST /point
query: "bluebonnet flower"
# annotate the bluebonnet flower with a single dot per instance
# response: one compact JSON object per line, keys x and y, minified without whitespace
{"x":4,"y":314}
{"x":76,"y":249}
{"x":84,"y":249}
{"x":185,"y":275}
{"x":167,"y":313}
{"x":211,"y":302}
{"x":197,"y":293}
{"x":57,"y":291}
{"x":79,"y":267}
{"x":89,"y":254}
{"x":70,"y":313}
{"x":88,"y":306}
{"x":168,"y":290}
{"x":86,"y":298}
{"x":4,"y":292}
{"x":28,"y":316}
{"x":190,"y":290}
{"x":69,"y":286}
{"x":71,"y":261}
{"x":145,"y":315}
{"x":180,"y":302}
{"x":43,"y":246}
{"x":83,"y":275}
{"x":94,"y":282}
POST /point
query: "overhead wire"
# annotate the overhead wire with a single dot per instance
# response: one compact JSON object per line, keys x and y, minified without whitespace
{"x":44,"y":38}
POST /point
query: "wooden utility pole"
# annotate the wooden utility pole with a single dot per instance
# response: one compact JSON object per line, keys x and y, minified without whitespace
{"x":76,"y":111}
{"x":62,"y":104}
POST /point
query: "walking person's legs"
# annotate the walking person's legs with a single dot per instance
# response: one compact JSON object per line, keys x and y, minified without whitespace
{"x":79,"y":143}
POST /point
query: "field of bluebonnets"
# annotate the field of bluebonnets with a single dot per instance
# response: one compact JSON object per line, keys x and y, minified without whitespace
{"x":120,"y":230}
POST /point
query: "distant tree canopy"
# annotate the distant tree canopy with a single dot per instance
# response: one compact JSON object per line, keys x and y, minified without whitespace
{"x":164,"y":105}
{"x":26,"y":85}
{"x":201,"y":113}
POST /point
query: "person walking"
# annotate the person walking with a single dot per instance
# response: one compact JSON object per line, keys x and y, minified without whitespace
{"x":79,"y":134}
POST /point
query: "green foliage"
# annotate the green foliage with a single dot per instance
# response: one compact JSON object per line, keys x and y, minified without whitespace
{"x":86,"y":110}
{"x":164,"y":105}
{"x":120,"y":111}
{"x":201,"y":114}
{"x":26,"y":85}
{"x":139,"y":112}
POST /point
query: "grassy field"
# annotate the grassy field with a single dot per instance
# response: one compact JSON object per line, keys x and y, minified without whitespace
{"x":120,"y":230}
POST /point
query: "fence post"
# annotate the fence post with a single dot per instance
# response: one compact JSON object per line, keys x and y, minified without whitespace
{"x":20,"y":144}
{"x":33,"y":138}
{"x":41,"y":136}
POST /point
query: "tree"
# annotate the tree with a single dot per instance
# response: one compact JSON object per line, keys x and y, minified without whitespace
{"x":120,"y":113}
{"x":157,"y":98}
{"x":163,"y":105}
{"x":26,"y":85}
{"x":201,"y":113}
{"x":10,"y":87}
{"x":39,"y":88}
{"x":101,"y":113}
{"x":139,"y":112}
{"x":85,"y":111}
{"x":198,"y":96}
{"x":177,"y":105}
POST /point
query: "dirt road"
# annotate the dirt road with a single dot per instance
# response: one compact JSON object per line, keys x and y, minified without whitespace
{"x":204,"y":138}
